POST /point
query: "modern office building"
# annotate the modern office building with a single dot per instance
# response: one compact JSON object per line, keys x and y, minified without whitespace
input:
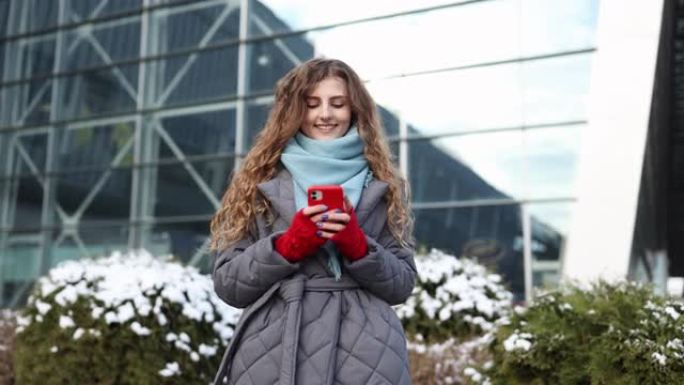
{"x":121,"y":121}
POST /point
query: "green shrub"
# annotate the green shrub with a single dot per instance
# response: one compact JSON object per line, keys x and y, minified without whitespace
{"x":122,"y":320}
{"x":608,"y":334}
{"x":7,"y":327}
{"x":453,"y":298}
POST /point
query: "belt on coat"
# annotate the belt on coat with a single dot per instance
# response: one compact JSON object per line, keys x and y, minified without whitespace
{"x":291,"y":290}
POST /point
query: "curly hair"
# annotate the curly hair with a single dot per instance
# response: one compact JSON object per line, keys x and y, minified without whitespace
{"x":241,"y":202}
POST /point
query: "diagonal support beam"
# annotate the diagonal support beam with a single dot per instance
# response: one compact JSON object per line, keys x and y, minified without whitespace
{"x":81,"y":246}
{"x":36,"y":173}
{"x":103,"y":179}
{"x":193,"y":172}
{"x":193,"y":57}
{"x":77,"y":19}
{"x":108,"y":60}
{"x":96,"y":12}
{"x":197,"y":257}
{"x":34,"y":102}
{"x":278,"y":42}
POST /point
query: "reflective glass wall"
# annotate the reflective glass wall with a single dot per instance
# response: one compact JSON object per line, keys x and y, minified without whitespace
{"x":121,"y":120}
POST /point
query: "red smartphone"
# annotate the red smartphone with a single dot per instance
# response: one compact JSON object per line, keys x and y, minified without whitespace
{"x":329,"y":195}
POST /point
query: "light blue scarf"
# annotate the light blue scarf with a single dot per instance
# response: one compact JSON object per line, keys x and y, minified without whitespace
{"x":319,"y":162}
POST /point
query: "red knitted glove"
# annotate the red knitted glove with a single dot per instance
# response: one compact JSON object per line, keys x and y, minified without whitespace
{"x":300,"y":240}
{"x":351,"y":241}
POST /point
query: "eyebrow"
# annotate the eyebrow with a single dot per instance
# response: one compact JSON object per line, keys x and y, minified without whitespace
{"x":332,"y":97}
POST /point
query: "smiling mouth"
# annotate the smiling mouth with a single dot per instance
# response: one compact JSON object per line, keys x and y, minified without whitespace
{"x":326,"y":126}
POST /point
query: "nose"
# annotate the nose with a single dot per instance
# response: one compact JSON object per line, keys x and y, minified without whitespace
{"x":326,"y":113}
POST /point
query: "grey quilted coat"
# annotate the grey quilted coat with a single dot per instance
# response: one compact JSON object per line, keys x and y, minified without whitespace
{"x":303,"y":327}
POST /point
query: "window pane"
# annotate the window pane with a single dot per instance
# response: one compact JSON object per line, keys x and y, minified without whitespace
{"x":271,"y":59}
{"x":28,"y":153}
{"x":35,"y":15}
{"x":31,"y":57}
{"x":550,"y":223}
{"x":403,"y":39}
{"x":182,"y":240}
{"x":482,"y":166}
{"x":559,"y":25}
{"x":257,"y":113}
{"x":197,"y":77}
{"x":454,"y":101}
{"x":490,"y":234}
{"x":394,"y":149}
{"x":196,"y":184}
{"x":4,"y":17}
{"x":102,"y":195}
{"x":551,"y":161}
{"x":90,"y":9}
{"x":505,"y":29}
{"x":27,"y":103}
{"x":100,"y":92}
{"x":555,"y":90}
{"x":545,"y":91}
{"x":188,"y":26}
{"x":390,"y":122}
{"x":88,"y":242}
{"x":205,"y":133}
{"x":25,"y":202}
{"x":2,"y":54}
{"x":19,"y":266}
{"x":274,"y":16}
{"x":103,"y":43}
{"x":104,"y":240}
{"x":171,"y":2}
{"x":97,"y":147}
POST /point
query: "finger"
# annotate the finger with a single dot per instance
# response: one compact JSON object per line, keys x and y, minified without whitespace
{"x":338,"y":217}
{"x":329,"y":226}
{"x":326,"y":234}
{"x":322,"y":217}
{"x":326,"y":216}
{"x":311,"y":210}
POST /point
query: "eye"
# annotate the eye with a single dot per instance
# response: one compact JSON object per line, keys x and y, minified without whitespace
{"x":311,"y":102}
{"x":338,"y":105}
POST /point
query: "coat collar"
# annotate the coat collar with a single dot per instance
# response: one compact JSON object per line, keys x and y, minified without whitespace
{"x":280,"y":192}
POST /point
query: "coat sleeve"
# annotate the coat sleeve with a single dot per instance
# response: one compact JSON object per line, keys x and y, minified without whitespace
{"x":388,"y":270}
{"x":247,"y":269}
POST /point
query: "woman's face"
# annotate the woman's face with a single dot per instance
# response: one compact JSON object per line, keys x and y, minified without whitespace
{"x":328,"y":114}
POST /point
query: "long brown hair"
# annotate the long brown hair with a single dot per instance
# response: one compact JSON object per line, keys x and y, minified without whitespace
{"x":241,"y":202}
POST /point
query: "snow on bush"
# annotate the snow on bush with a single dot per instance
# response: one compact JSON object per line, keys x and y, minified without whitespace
{"x":450,"y":318}
{"x":124,"y":319}
{"x":450,"y":362}
{"x":453,"y":298}
{"x":620,"y":333}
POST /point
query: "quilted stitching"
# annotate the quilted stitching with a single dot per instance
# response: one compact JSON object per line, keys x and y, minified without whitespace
{"x":387,"y":347}
{"x":254,"y":349}
{"x":371,"y":348}
{"x":306,"y":361}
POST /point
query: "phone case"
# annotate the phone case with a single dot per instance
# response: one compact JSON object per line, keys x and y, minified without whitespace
{"x":329,"y":195}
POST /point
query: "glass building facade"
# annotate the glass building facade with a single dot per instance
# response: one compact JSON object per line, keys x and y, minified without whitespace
{"x":121,"y":121}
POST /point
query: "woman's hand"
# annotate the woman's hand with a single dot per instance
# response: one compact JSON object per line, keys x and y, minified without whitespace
{"x":330,"y":222}
{"x":344,"y":230}
{"x":303,"y":237}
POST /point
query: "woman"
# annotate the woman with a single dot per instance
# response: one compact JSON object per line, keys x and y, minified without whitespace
{"x":317,"y":283}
